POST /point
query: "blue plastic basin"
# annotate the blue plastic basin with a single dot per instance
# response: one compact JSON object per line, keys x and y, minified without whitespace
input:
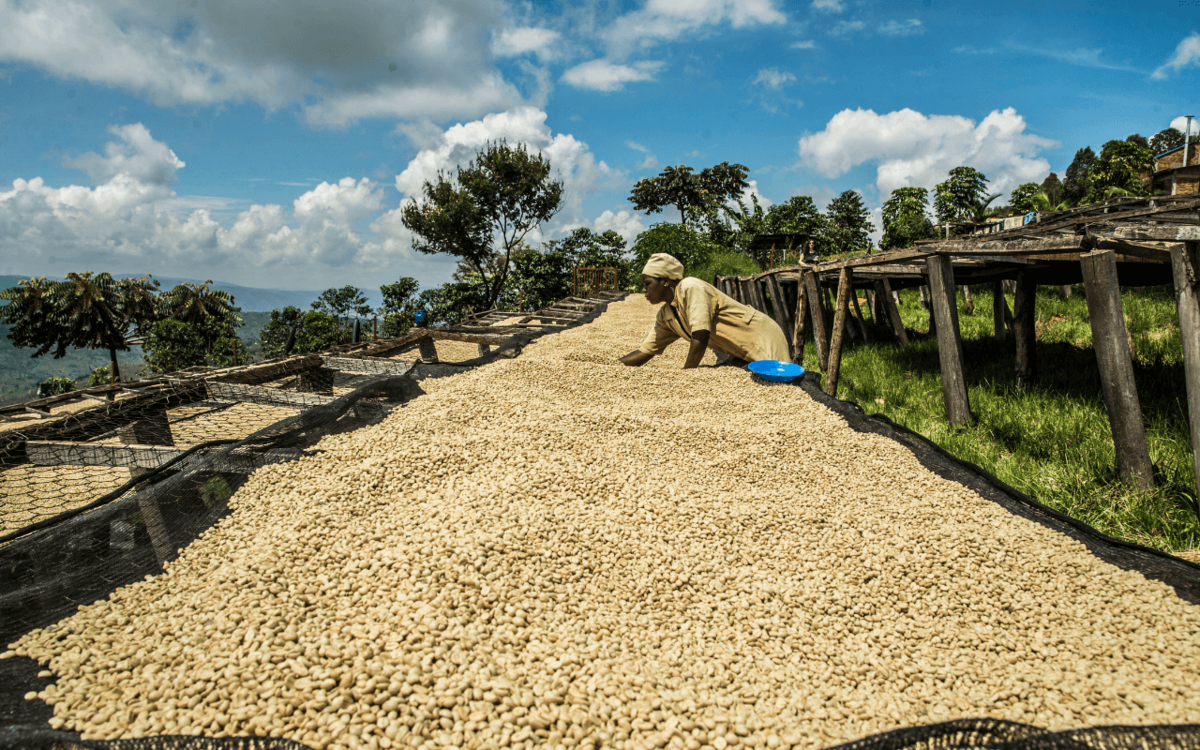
{"x":776,"y":371}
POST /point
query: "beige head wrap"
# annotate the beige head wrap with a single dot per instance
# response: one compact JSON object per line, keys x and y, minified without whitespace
{"x":663,"y":265}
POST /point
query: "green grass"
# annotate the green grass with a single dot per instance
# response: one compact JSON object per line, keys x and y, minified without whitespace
{"x":1052,"y":441}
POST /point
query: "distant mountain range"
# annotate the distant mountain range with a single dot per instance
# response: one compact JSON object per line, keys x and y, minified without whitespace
{"x":245,"y":297}
{"x":250,"y":299}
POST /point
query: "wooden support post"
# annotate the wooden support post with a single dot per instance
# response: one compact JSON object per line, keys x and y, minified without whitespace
{"x":968,"y":299}
{"x":744,"y":295}
{"x":862,"y":324}
{"x":427,"y":349}
{"x":798,"y":331}
{"x":756,"y":290}
{"x":1111,"y":339}
{"x":1026,"y":331}
{"x":841,"y":312}
{"x":1000,"y":330}
{"x":950,"y":351}
{"x":883,"y":292}
{"x":1185,"y":262}
{"x":153,"y":429}
{"x":812,"y":290}
{"x":778,"y":307}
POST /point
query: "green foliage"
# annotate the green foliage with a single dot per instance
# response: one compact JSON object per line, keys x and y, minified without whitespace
{"x":1024,"y":197}
{"x":1051,"y":441}
{"x":958,"y":199}
{"x":55,"y":386}
{"x":1169,"y":139}
{"x":101,"y":375}
{"x":1053,"y":189}
{"x":503,"y":189}
{"x":691,"y":248}
{"x":318,"y":331}
{"x":172,"y":345}
{"x":450,"y":303}
{"x":696,"y":196}
{"x":542,"y":278}
{"x":308,"y":331}
{"x":848,"y":224}
{"x":210,"y":312}
{"x":904,"y":218}
{"x":279,"y":329}
{"x":726,"y":261}
{"x":31,"y":314}
{"x":399,"y":304}
{"x":1076,"y":180}
{"x":1138,"y":140}
{"x":1119,"y":166}
{"x":586,"y":249}
{"x":341,"y":302}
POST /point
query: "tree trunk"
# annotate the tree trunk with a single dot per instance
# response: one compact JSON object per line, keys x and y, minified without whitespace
{"x":116,"y":370}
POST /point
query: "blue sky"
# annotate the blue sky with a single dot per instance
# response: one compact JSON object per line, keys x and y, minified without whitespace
{"x":272,"y":143}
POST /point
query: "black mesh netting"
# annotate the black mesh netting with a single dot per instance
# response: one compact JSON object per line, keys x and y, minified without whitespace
{"x":104,"y":498}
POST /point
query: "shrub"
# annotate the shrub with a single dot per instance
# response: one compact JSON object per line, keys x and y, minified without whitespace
{"x":55,"y":386}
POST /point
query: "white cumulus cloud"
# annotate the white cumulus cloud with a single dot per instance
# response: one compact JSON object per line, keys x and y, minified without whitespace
{"x":337,"y":61}
{"x":138,"y":155}
{"x":828,"y":6}
{"x":604,"y":75}
{"x":571,"y":160}
{"x":628,"y":225}
{"x":1187,"y":53}
{"x":913,"y":149}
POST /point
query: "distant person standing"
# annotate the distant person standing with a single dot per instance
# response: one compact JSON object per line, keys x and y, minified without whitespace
{"x":700,"y":313}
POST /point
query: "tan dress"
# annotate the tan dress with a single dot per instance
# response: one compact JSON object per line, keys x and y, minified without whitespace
{"x":734,"y":328}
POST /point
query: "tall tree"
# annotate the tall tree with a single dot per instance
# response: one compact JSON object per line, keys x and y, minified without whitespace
{"x":1166,"y":140}
{"x":209,"y":312}
{"x":697,"y":196}
{"x":1024,"y":197}
{"x":962,"y":197}
{"x":1138,"y":139}
{"x":1076,"y":180}
{"x":98,"y":312}
{"x":341,"y":302}
{"x":848,"y":224}
{"x":32,"y":314}
{"x":1052,"y":188}
{"x":904,"y":218}
{"x":505,"y":190}
{"x":1118,"y":169}
{"x":399,"y":306}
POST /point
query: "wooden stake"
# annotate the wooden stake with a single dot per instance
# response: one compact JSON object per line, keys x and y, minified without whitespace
{"x":950,"y":351}
{"x":845,"y":283}
{"x":1111,"y":339}
{"x":1026,"y":331}
{"x":1185,"y":262}
{"x":862,"y":324}
{"x":798,"y":329}
{"x":427,"y":349}
{"x":1000,"y":330}
{"x":883,"y":292}
{"x":968,"y":299}
{"x":812,"y":289}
